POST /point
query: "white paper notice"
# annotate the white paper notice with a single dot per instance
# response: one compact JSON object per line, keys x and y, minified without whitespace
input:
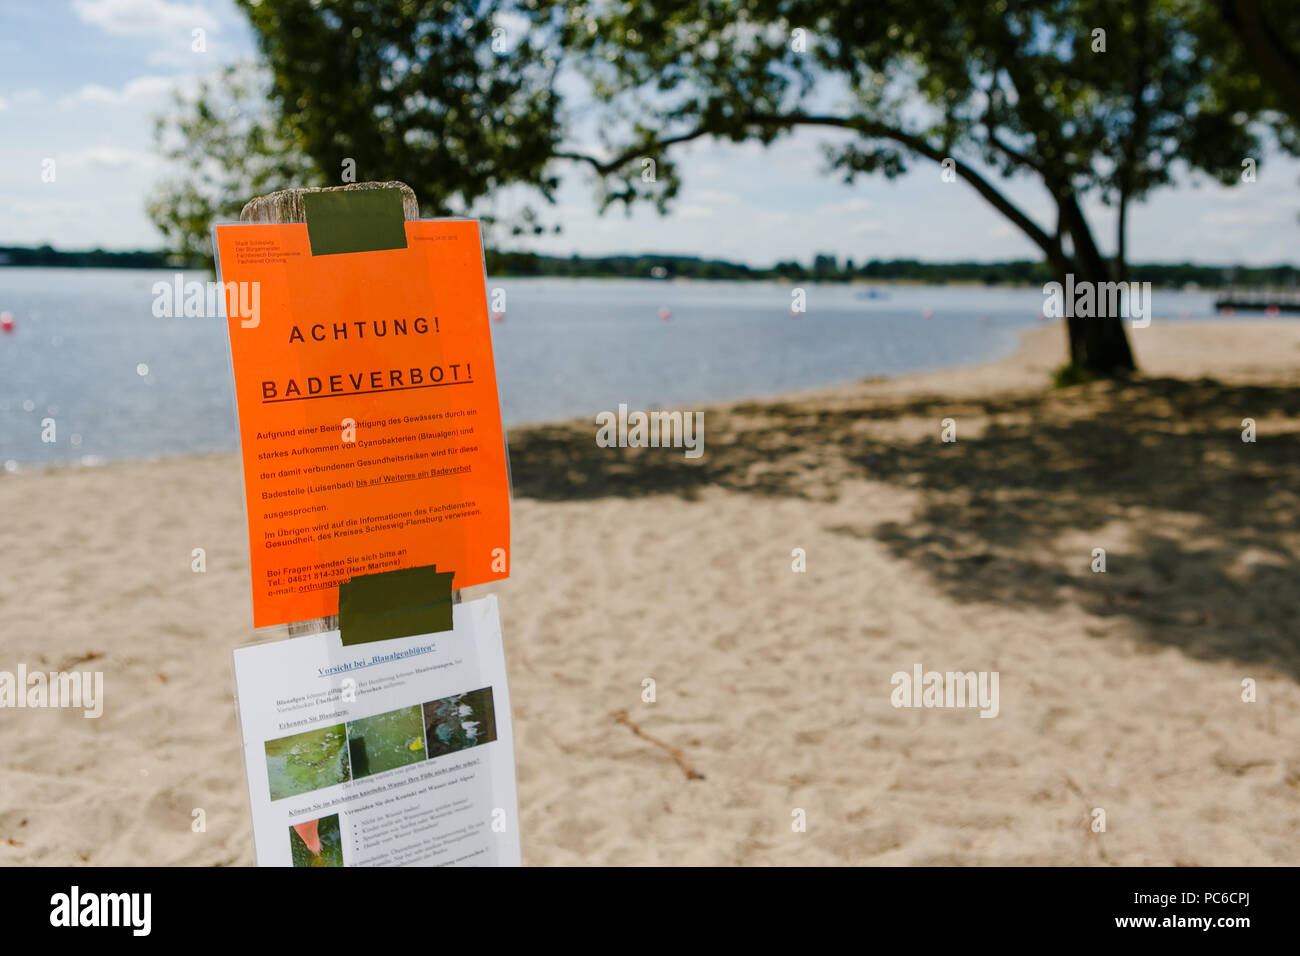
{"x":394,"y":753}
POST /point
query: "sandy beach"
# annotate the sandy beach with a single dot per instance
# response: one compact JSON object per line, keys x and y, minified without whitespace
{"x":1120,"y":691}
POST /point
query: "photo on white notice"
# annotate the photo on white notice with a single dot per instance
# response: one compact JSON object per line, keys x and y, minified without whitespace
{"x":389,"y":753}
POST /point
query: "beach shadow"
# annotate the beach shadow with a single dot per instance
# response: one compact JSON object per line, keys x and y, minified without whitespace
{"x":1201,"y":530}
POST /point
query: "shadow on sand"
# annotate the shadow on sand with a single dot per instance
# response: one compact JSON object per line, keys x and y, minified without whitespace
{"x":1201,"y":529}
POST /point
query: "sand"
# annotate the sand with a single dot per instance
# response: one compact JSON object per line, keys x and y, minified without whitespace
{"x":1119,"y":691}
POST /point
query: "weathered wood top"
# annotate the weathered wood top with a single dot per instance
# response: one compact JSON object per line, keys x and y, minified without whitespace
{"x":286,"y":205}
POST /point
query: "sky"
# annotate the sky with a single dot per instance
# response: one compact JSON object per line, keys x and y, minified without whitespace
{"x":81,"y":81}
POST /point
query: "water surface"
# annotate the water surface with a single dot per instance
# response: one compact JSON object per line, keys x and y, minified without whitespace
{"x":119,"y":383}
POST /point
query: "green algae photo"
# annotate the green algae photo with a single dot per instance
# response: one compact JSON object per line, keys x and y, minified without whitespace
{"x":460,"y":722}
{"x":386,"y":741}
{"x":307,"y":761}
{"x":317,"y":842}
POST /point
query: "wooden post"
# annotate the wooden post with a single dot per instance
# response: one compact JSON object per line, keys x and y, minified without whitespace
{"x":286,"y":205}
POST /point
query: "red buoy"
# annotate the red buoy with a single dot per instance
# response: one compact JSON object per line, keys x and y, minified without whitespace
{"x":6,"y":322}
{"x":665,"y":313}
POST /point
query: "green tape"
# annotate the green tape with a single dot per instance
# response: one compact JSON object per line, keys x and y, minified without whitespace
{"x":354,"y":220}
{"x":379,"y":607}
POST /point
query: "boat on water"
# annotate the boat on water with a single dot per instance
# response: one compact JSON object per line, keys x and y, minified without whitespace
{"x":1268,"y":301}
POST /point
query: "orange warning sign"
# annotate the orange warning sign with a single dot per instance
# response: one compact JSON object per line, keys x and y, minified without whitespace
{"x":368,"y":412}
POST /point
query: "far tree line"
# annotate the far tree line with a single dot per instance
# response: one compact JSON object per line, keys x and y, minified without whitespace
{"x":829,"y":268}
{"x":822,"y":268}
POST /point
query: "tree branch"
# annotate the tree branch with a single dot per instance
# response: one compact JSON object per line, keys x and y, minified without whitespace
{"x":1013,"y":154}
{"x":1051,"y":246}
{"x":865,"y":127}
{"x":613,"y":165}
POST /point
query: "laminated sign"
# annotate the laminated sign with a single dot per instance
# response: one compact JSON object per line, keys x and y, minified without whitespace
{"x":368,"y":410}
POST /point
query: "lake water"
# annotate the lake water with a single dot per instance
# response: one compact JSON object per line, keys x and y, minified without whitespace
{"x":87,"y":351}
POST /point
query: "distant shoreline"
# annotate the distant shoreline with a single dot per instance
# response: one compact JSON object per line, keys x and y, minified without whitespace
{"x":1020,"y":273}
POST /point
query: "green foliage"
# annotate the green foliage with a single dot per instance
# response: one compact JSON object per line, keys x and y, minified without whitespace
{"x":429,"y":92}
{"x":225,"y":144}
{"x":1256,"y":46}
{"x":414,"y":90}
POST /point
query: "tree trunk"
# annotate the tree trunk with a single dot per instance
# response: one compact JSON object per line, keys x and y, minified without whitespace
{"x":1121,"y":239}
{"x":1098,"y":345}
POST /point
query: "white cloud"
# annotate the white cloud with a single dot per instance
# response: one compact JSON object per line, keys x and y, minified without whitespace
{"x":107,"y":157}
{"x":170,"y":28}
{"x":1217,"y":192}
{"x":693,"y":212}
{"x":48,"y":206}
{"x":142,"y":88}
{"x":1243,"y":217}
{"x":844,"y":206}
{"x":145,"y":18}
{"x":712,"y":196}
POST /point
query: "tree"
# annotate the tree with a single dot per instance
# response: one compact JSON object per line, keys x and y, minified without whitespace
{"x":1268,"y":35}
{"x":225,"y":145}
{"x":1090,"y":98}
{"x":432,"y":92}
